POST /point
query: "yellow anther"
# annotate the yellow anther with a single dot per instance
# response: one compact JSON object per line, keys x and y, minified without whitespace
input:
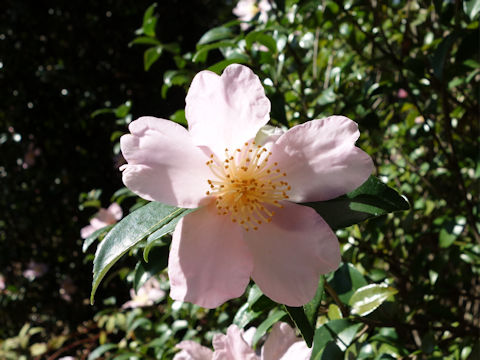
{"x":246,"y":187}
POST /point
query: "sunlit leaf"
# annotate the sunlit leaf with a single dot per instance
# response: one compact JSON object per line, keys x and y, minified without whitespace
{"x":127,"y":233}
{"x":346,"y":280}
{"x":371,"y":199}
{"x":369,"y":297}
{"x":333,"y":338}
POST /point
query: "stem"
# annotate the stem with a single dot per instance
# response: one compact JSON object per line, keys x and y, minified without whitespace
{"x":335,"y":298}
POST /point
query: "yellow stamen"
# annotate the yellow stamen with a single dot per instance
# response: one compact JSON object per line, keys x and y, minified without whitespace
{"x":246,"y":185}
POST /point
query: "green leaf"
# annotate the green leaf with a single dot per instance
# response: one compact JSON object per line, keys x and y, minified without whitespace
{"x":262,"y":38}
{"x":333,"y":338}
{"x":153,"y":238}
{"x":123,"y":110}
{"x":99,"y":351}
{"x":144,"y":40}
{"x":149,"y":21}
{"x":127,"y":233}
{"x":203,"y":50}
{"x":151,"y":55}
{"x":366,"y":299}
{"x":145,"y":271}
{"x":179,"y":117}
{"x":440,"y":55}
{"x":267,"y":324}
{"x":346,"y":280}
{"x":373,"y":198}
{"x":94,"y":236}
{"x":471,"y":8}
{"x":256,"y":304}
{"x":305,"y":318}
{"x":215,"y":34}
{"x":221,"y":65}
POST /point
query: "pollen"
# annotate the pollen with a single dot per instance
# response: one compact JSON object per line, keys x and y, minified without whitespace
{"x":247,"y":185}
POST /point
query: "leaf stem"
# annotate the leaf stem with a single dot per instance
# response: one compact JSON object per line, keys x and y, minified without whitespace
{"x":337,"y":300}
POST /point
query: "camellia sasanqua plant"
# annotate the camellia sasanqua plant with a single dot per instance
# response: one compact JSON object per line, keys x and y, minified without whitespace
{"x":313,"y":61}
{"x":245,"y":201}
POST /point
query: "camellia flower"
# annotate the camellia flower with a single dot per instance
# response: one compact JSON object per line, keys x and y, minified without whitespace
{"x":246,"y":10}
{"x":248,"y":224}
{"x":103,"y":218}
{"x":147,"y":295}
{"x":281,"y":344}
{"x":35,"y":270}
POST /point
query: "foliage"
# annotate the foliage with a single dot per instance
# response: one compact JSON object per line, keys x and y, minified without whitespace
{"x":408,"y":73}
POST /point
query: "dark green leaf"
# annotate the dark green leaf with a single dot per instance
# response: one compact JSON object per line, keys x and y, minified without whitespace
{"x":336,"y":332}
{"x":440,"y":55}
{"x":164,"y":230}
{"x":144,"y":40}
{"x":203,"y":50}
{"x":253,"y":308}
{"x":215,"y":34}
{"x":267,"y":324}
{"x":371,"y":199}
{"x":346,"y":280}
{"x":144,"y":270}
{"x":221,"y":65}
{"x":305,"y":318}
{"x":94,"y":236}
{"x":367,"y":298}
{"x":151,"y":55}
{"x":261,"y":38}
{"x":127,"y":233}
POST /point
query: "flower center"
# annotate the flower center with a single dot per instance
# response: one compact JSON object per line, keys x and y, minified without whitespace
{"x":247,"y":185}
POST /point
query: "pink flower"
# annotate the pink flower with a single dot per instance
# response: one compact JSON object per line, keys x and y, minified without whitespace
{"x":281,"y":344}
{"x":147,"y":295}
{"x":2,"y":282}
{"x":246,"y":10}
{"x":248,"y":223}
{"x":103,"y":218}
{"x":35,"y":270}
{"x":402,"y":93}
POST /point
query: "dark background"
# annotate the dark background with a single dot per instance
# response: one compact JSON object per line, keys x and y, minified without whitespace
{"x":61,"y":61}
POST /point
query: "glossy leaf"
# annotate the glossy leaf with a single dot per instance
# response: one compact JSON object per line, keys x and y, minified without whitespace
{"x":127,"y":233}
{"x":366,"y":299}
{"x":144,"y":270}
{"x":333,"y":338}
{"x":261,"y":38}
{"x":346,"y":280}
{"x":305,"y":318}
{"x":267,"y":324}
{"x":151,"y":55}
{"x":94,"y":236}
{"x":471,"y":8}
{"x":149,"y":21}
{"x":215,"y":34}
{"x":102,"y":349}
{"x":164,"y":230}
{"x":256,"y":304}
{"x":371,"y":199}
